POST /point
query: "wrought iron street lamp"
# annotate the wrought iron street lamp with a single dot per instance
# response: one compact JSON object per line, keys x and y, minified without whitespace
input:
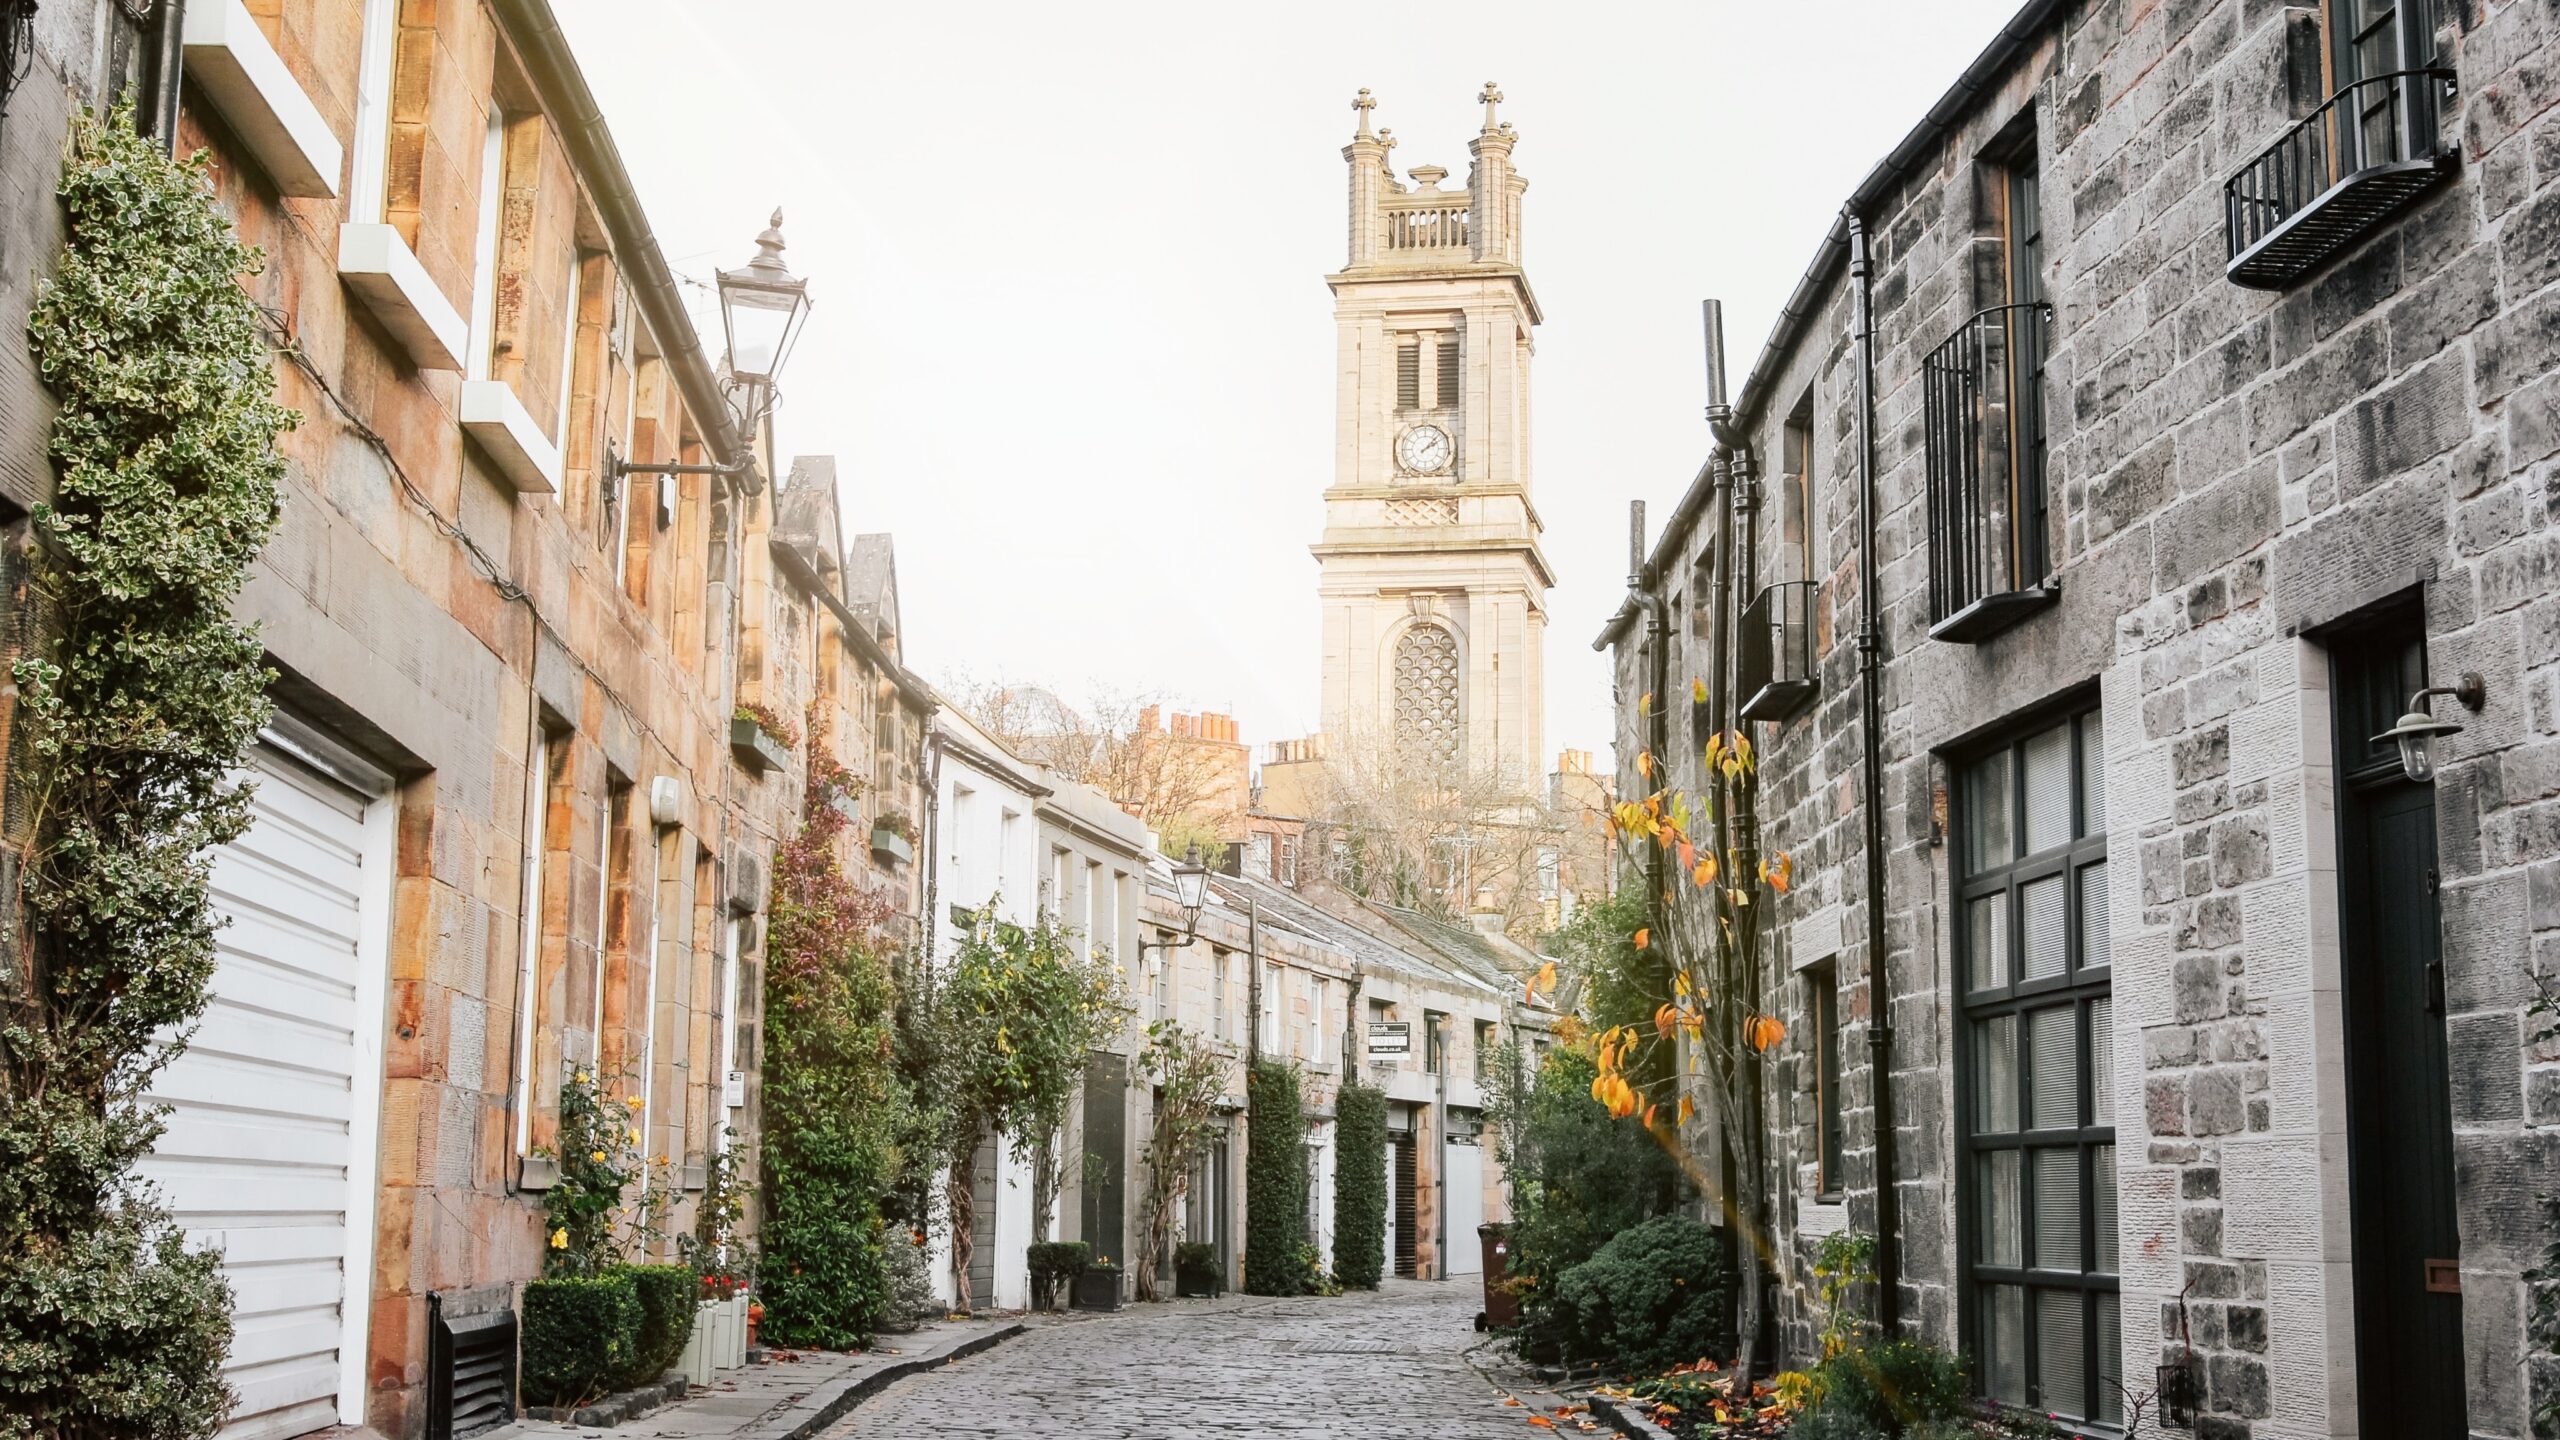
{"x":763,"y":308}
{"x":2417,"y":731}
{"x":1191,"y":892}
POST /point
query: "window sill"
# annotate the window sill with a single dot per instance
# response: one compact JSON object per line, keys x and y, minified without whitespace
{"x":376,"y":264}
{"x":1995,"y":615}
{"x":228,"y":55}
{"x":499,"y":424}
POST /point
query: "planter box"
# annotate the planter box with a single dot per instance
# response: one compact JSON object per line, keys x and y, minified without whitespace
{"x":696,"y":1364}
{"x":1097,"y":1290}
{"x":887,"y":844}
{"x":755,"y":749}
{"x":733,"y":1334}
{"x":1198,"y":1284}
{"x":846,"y":806}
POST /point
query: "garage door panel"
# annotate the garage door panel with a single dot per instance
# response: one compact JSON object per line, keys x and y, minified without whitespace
{"x":316,"y":1149}
{"x":252,"y":982}
{"x":246,"y":1240}
{"x":297,"y":1293}
{"x":213,"y":1080}
{"x":258,"y":1157}
{"x":285,"y":946}
{"x":192,"y":1187}
{"x":281,"y":1041}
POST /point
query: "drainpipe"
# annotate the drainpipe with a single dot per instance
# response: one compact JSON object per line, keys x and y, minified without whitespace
{"x":1871,"y":732}
{"x":1737,"y":538}
{"x":1655,"y":667}
{"x":166,"y":69}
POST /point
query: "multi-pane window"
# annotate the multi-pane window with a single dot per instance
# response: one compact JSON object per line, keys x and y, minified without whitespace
{"x":1822,"y":985}
{"x":2038,"y":1079}
{"x":1795,"y":492}
{"x":1220,"y":1007}
{"x":2026,"y":359}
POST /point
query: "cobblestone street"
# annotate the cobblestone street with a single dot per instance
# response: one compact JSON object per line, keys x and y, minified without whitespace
{"x":1375,"y":1366}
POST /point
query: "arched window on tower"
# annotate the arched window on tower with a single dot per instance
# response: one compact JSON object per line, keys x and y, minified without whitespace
{"x":1426,"y":691}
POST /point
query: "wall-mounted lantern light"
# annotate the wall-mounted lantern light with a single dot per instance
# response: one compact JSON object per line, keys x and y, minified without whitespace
{"x":2417,"y":731}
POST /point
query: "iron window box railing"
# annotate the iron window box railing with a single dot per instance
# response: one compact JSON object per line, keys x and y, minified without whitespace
{"x":1775,"y":661}
{"x":2367,"y":154}
{"x":1986,"y":475}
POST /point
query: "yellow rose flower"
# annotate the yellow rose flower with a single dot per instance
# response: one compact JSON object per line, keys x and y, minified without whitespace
{"x":597,"y":1157}
{"x":585,"y":1079}
{"x":560,"y":1238}
{"x":634,"y":1134}
{"x":632,"y":1100}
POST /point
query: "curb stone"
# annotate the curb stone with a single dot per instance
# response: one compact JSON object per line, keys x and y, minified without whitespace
{"x":827,"y":1404}
{"x":1626,"y":1418}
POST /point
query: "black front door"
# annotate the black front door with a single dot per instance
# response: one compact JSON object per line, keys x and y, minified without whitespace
{"x":2399,"y":1110}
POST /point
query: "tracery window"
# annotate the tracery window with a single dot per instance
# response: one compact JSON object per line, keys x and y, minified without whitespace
{"x":1426,"y":694}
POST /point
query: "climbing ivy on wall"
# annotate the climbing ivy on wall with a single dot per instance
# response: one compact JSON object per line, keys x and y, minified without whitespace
{"x":138,"y":704}
{"x":1360,"y":1186}
{"x":1275,"y":1181}
{"x":835,"y":1107}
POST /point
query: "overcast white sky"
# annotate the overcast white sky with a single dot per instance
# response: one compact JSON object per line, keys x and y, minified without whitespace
{"x":1071,"y":341}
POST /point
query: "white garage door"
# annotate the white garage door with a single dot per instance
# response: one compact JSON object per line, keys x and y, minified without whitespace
{"x":270,"y":1146}
{"x":1465,"y":1178}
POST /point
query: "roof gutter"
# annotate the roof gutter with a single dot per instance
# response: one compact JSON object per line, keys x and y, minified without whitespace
{"x":797,"y":566}
{"x":1912,"y":155}
{"x":544,"y":49}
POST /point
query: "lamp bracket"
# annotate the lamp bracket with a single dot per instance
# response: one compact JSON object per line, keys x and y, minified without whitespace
{"x":2470,"y":689}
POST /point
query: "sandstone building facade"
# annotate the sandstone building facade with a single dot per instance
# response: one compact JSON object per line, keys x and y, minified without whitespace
{"x":2196,"y":365}
{"x":510,"y":825}
{"x":1433,"y":585}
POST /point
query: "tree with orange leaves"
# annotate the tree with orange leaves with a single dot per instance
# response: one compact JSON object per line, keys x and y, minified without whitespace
{"x":1706,"y":1038}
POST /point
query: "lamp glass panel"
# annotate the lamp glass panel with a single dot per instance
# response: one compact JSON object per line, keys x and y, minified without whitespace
{"x":759,"y":321}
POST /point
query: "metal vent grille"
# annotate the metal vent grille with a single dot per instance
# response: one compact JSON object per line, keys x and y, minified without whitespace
{"x":471,"y":1371}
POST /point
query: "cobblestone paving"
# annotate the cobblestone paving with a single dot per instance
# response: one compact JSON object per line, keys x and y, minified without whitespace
{"x":1373,"y":1366}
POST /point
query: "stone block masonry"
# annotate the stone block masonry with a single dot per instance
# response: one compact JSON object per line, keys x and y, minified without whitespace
{"x":2229,"y":475}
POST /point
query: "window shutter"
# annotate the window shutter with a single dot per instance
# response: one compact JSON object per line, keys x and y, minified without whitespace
{"x":1449,"y":371}
{"x":1409,"y":375}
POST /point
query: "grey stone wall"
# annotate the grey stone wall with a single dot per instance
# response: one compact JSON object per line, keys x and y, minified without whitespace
{"x":2229,"y":470}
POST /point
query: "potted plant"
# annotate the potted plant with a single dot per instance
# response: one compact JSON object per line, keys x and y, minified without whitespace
{"x":1197,"y":1275}
{"x":760,"y":739}
{"x":1098,"y":1286}
{"x":893,"y":838}
{"x":1055,"y":1264}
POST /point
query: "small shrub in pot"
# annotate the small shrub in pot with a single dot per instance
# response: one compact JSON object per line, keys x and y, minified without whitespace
{"x":667,"y":1296}
{"x":580,"y":1331}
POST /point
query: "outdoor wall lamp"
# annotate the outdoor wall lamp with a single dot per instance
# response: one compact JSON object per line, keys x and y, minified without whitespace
{"x":2418,"y":729}
{"x":1191,"y":892}
{"x":763,"y":309}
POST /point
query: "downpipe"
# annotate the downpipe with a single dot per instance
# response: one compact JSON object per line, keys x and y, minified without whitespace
{"x":1871,"y":732}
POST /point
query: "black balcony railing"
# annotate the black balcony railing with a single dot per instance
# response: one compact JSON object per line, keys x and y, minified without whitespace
{"x":1984,"y":442}
{"x":1774,"y":655}
{"x":2366,"y":154}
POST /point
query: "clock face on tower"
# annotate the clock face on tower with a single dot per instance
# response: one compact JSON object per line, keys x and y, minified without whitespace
{"x":1423,"y":450}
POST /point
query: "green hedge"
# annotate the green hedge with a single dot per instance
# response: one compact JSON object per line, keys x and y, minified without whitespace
{"x":580,"y":1332}
{"x":1275,"y":1181}
{"x":668,"y":1294}
{"x":1360,"y":1186}
{"x":1652,"y":1298}
{"x":1054,"y":1265}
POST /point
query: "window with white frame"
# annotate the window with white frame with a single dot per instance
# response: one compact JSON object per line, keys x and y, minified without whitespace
{"x":1270,"y":1009}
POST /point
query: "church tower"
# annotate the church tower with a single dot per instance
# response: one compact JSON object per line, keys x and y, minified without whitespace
{"x":1433,"y":586}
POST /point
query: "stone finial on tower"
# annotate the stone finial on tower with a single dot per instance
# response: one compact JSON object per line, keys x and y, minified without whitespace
{"x":1367,"y":154}
{"x":1491,"y":95}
